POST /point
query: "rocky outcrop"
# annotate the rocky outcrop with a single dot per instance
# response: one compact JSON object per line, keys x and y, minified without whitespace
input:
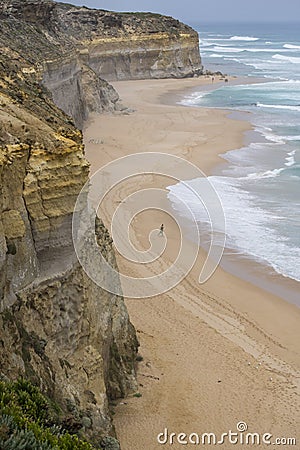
{"x":75,"y":342}
{"x":33,"y":11}
{"x":87,"y":92}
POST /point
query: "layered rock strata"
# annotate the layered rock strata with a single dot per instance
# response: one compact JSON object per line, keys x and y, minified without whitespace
{"x":76,"y":49}
{"x":57,"y":327}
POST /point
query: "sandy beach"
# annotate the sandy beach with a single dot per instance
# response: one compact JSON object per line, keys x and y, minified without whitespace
{"x":214,"y":354}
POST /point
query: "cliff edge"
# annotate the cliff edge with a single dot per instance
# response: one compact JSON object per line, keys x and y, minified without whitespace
{"x":78,"y":50}
{"x":70,"y":337}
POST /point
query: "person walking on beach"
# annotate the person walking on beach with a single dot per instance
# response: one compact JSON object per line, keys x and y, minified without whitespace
{"x":161,"y":230}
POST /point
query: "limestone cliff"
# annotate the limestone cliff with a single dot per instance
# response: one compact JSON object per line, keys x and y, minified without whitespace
{"x":76,"y":49}
{"x":59,"y":329}
{"x":33,"y":36}
{"x":56,"y":327}
{"x":120,"y":46}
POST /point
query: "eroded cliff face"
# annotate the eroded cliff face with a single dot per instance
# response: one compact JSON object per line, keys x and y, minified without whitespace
{"x":76,"y":49}
{"x":57,"y":327}
{"x":33,"y":36}
{"x":122,"y":46}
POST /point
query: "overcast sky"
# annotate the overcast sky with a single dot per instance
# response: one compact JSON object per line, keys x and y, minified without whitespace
{"x":202,"y":11}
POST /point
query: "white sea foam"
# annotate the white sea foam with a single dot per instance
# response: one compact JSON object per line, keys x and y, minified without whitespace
{"x":205,"y":44}
{"x":274,"y":138}
{"x":192,"y":99}
{"x":291,"y":159}
{"x":215,"y":55}
{"x":270,"y":136}
{"x":272,"y":85}
{"x":218,"y":38}
{"x":291,"y":138}
{"x":259,"y":184}
{"x":262,"y":129}
{"x":243,"y":38}
{"x":288,"y":107}
{"x":226,"y":49}
{"x":291,"y":59}
{"x":250,"y":229}
{"x":267,"y":174}
{"x":266,"y":65}
{"x":290,"y":81}
{"x":291,"y":46}
{"x":264,"y":50}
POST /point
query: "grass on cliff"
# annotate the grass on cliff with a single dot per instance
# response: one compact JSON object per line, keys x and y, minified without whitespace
{"x":29,"y":421}
{"x":141,"y":14}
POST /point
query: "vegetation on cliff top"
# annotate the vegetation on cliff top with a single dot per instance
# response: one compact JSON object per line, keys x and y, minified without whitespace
{"x":28,"y":420}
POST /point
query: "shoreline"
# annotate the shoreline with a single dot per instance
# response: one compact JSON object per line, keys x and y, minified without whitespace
{"x":261,"y":274}
{"x":172,"y":98}
{"x":199,"y":342}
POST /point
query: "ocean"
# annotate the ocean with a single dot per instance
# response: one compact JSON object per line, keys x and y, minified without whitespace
{"x":259,"y":186}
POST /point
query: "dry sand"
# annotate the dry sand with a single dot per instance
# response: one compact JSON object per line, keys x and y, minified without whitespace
{"x":213,"y":354}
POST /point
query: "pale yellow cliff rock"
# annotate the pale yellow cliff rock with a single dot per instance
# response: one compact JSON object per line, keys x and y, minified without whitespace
{"x":13,"y":224}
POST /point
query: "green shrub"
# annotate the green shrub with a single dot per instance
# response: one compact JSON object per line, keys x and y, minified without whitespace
{"x":137,"y":395}
{"x":27,"y":421}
